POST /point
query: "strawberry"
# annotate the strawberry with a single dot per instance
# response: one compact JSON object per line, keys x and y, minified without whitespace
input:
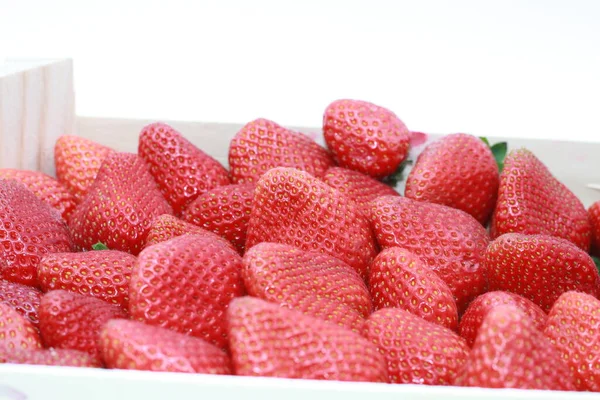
{"x":365,"y":137}
{"x":45,"y":187}
{"x":458,"y":171}
{"x":482,"y":305}
{"x":224,"y":210}
{"x":292,"y":207}
{"x":103,"y":274}
{"x":263,"y":144}
{"x":400,"y":279}
{"x":449,"y":241}
{"x":134,"y":345}
{"x":181,"y":170}
{"x":56,"y":357}
{"x":509,"y":352}
{"x":532,"y":201}
{"x":16,"y":332}
{"x":416,"y":351}
{"x":29,"y":229}
{"x":540,"y":268}
{"x":573,"y":327}
{"x":24,"y":299}
{"x":73,"y":321}
{"x":77,"y":162}
{"x":594,"y":217}
{"x":268,"y":340}
{"x":185,"y":284}
{"x":119,"y":206}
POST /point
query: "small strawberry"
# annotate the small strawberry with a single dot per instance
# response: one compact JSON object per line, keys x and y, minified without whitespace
{"x":262,"y":144}
{"x":532,"y":201}
{"x":56,"y":357}
{"x":268,"y":340}
{"x":16,"y":332}
{"x":103,"y":274}
{"x":185,"y":284}
{"x":365,"y":137}
{"x":509,"y":352}
{"x":181,"y":170}
{"x":482,"y":305}
{"x":119,"y":206}
{"x":416,"y":351}
{"x":540,"y":268}
{"x":24,"y":299}
{"x":594,"y":217}
{"x":224,"y":210}
{"x":400,"y":279}
{"x":292,"y":207}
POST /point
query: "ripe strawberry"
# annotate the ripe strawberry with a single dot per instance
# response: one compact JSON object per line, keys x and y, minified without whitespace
{"x":73,"y":321}
{"x":103,"y":274}
{"x":482,"y":305}
{"x":56,"y":357}
{"x":540,"y":268}
{"x":458,"y":171}
{"x":400,"y":279}
{"x":181,"y":170}
{"x":416,"y":351}
{"x":224,"y":210}
{"x":449,"y":241}
{"x":119,"y":206}
{"x":16,"y":332}
{"x":292,"y":207}
{"x":532,"y":201}
{"x":29,"y":229}
{"x":594,"y":217}
{"x":45,"y":187}
{"x":510,"y":352}
{"x":268,"y":340}
{"x":134,"y":345}
{"x":262,"y":144}
{"x":77,"y":162}
{"x":185,"y":284}
{"x":365,"y":137}
{"x":573,"y":327}
{"x":24,"y":299}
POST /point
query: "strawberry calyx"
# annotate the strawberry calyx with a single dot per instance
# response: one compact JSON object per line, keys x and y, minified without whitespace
{"x":99,"y":246}
{"x":499,"y":151}
{"x":399,"y":175}
{"x":597,"y":262}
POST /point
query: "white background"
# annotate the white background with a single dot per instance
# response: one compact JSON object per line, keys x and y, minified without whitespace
{"x":497,"y":68}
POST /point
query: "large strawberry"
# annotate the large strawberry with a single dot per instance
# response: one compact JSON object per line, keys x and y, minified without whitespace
{"x":458,"y":171}
{"x":29,"y":229}
{"x":24,"y":299}
{"x":532,"y":201}
{"x":263,"y":144}
{"x":119,"y":207}
{"x":365,"y":137}
{"x":449,"y":241}
{"x":16,"y":332}
{"x":416,"y":351}
{"x":56,"y":357}
{"x":540,"y":267}
{"x":292,"y":207}
{"x":268,"y":340}
{"x":181,"y":169}
{"x":594,"y":217}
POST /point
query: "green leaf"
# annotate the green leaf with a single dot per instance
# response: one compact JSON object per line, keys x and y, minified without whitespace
{"x":99,"y":246}
{"x":499,"y":151}
{"x":597,"y":262}
{"x":398,"y":176}
{"x":485,"y":140}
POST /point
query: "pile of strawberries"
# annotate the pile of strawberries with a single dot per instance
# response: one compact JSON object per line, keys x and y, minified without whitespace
{"x":300,"y":261}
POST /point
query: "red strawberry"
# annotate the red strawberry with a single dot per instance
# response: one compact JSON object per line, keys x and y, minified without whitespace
{"x":573,"y":327}
{"x":482,"y":305}
{"x":45,"y":187}
{"x":181,"y":170}
{"x":416,"y":351}
{"x":103,"y":274}
{"x":134,"y":345}
{"x":540,"y":268}
{"x":510,"y":352}
{"x":56,"y":357}
{"x":365,"y":137}
{"x":449,"y":241}
{"x":532,"y":201}
{"x":24,"y":299}
{"x":268,"y":340}
{"x":16,"y":332}
{"x":594,"y":217}
{"x":262,"y":144}
{"x":73,"y":321}
{"x":185,"y":284}
{"x":292,"y":207}
{"x":400,"y":279}
{"x":224,"y":210}
{"x":29,"y":229}
{"x":77,"y":162}
{"x":458,"y":171}
{"x":119,"y":206}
